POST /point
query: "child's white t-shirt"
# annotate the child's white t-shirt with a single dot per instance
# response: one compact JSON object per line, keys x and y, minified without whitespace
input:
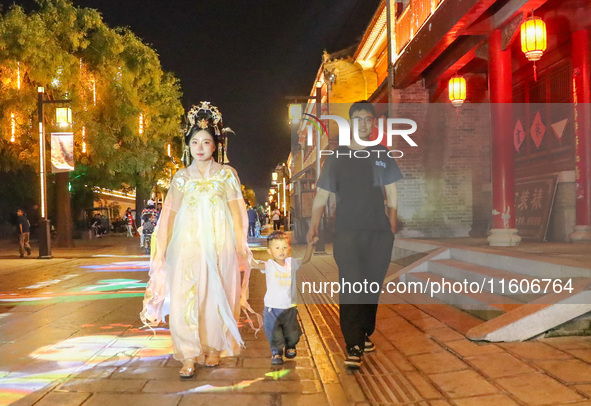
{"x":281,"y":292}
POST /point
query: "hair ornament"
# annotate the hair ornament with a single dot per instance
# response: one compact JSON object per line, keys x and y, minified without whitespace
{"x":203,"y":123}
{"x":225,"y":132}
{"x":204,"y":113}
{"x":186,"y":158}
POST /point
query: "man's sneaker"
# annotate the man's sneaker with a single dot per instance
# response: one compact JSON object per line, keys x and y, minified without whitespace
{"x":369,"y":346}
{"x":353,"y":360}
{"x":277,"y":359}
{"x":290,"y":353}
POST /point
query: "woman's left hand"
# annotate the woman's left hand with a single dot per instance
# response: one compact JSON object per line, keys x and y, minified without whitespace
{"x":242,"y":254}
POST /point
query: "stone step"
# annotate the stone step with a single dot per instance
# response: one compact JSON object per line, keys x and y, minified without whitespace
{"x":493,"y":280}
{"x":535,"y":318}
{"x":465,"y":300}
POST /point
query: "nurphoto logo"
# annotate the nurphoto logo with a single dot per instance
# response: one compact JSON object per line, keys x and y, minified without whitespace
{"x":394,"y":127}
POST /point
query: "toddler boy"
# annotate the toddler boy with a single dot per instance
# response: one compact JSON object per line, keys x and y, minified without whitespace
{"x":280,"y":316}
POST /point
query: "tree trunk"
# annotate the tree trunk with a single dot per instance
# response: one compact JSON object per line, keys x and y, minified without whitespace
{"x":142,"y":195}
{"x":64,"y":224}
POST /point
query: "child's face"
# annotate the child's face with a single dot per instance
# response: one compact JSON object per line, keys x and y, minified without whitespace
{"x":279,"y":250}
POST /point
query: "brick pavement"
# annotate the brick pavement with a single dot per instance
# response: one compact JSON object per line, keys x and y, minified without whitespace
{"x":423,"y":358}
{"x":79,"y":343}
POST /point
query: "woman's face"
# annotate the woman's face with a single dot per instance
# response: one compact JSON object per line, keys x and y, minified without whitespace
{"x":202,"y":146}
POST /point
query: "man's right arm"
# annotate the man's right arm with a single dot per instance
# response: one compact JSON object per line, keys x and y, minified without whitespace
{"x":317,"y":210}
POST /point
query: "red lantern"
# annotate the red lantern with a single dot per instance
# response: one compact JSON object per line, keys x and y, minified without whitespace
{"x":533,"y":39}
{"x":457,"y":90}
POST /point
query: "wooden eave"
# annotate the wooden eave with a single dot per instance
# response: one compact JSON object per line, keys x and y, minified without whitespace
{"x":370,"y":29}
{"x":451,"y":20}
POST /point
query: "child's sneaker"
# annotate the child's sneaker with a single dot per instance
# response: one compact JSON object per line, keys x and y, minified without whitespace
{"x":353,"y":360}
{"x":290,"y":353}
{"x":369,"y":346}
{"x":276,"y":359}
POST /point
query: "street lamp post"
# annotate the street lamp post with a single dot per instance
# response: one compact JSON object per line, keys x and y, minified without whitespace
{"x":44,"y":231}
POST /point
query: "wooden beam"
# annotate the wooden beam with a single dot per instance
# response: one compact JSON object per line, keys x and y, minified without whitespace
{"x":454,"y":59}
{"x":441,"y":30}
{"x":511,"y":30}
{"x":514,"y":7}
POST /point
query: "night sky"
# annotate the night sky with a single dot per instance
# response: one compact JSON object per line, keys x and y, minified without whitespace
{"x":245,"y":56}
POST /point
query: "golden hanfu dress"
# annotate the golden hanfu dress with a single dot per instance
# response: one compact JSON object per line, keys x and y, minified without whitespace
{"x":194,"y":270}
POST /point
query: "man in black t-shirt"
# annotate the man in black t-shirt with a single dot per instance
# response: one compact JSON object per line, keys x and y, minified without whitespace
{"x":24,"y":229}
{"x":358,"y":176}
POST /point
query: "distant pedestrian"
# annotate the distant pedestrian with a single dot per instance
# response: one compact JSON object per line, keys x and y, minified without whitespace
{"x":280,"y":316}
{"x":100,"y":225}
{"x":158,"y":209}
{"x":128,"y":217}
{"x":153,"y":215}
{"x":147,"y":230}
{"x":276,"y":220}
{"x":24,"y":231}
{"x":252,"y":219}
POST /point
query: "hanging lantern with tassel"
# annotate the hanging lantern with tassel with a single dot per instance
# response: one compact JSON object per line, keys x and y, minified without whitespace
{"x":457,"y":90}
{"x":533,"y":39}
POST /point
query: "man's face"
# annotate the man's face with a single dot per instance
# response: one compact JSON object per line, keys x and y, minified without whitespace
{"x":365,"y":121}
{"x":19,"y":212}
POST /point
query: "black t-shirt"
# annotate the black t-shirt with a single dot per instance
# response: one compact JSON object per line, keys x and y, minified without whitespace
{"x":357,"y":178}
{"x":22,"y":220}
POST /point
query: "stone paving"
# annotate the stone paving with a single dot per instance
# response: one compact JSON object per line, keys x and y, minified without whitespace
{"x":70,"y":335}
{"x":423,"y":358}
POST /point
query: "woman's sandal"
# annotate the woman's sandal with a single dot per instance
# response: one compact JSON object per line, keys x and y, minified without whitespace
{"x":212,"y":359}
{"x":200,"y":359}
{"x":188,"y":370}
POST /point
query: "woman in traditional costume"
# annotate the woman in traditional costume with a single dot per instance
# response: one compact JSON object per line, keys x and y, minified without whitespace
{"x":200,"y":248}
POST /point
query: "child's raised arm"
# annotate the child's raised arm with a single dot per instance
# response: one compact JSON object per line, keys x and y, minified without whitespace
{"x":254,"y":264}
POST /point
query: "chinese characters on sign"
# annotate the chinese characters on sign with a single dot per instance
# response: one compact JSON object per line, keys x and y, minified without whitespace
{"x":537,"y":130}
{"x":534,"y":198}
{"x":518,"y":135}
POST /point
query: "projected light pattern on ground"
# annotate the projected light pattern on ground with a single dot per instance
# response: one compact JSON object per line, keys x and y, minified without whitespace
{"x":240,"y":385}
{"x":129,"y":266}
{"x":52,"y":364}
{"x":109,"y":345}
{"x":255,"y":246}
{"x":113,"y":288}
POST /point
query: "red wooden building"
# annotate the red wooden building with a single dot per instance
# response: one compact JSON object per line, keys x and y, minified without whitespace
{"x":517,"y":132}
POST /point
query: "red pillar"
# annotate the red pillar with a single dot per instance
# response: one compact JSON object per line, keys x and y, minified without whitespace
{"x":503,"y":232}
{"x":581,"y":100}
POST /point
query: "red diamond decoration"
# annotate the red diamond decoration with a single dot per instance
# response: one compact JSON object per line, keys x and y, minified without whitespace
{"x":537,"y":130}
{"x":518,"y":135}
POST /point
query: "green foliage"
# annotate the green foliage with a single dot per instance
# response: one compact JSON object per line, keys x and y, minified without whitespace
{"x":71,"y":51}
